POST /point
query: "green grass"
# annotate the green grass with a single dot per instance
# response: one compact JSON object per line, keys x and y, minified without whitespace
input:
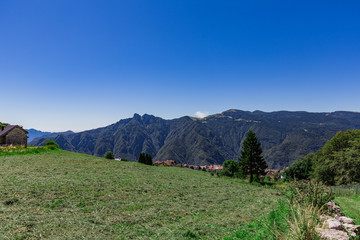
{"x":64,"y":195}
{"x":350,"y":206}
{"x":266,"y":226}
{"x":19,"y":150}
{"x":347,"y":190}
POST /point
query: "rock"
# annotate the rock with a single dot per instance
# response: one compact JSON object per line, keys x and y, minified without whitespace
{"x":324,"y":217}
{"x":332,"y":223}
{"x":332,"y":234}
{"x":352,"y":229}
{"x":346,"y":220}
{"x":335,"y":209}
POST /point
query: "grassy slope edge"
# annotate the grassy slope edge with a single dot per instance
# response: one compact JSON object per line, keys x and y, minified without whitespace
{"x":350,"y":206}
{"x":72,"y":196}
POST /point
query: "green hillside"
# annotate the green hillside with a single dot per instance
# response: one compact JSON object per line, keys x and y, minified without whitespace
{"x":64,"y":195}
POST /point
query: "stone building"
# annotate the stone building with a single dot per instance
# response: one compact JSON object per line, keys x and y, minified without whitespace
{"x":13,"y":135}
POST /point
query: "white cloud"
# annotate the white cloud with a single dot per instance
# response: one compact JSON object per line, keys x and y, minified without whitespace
{"x":201,"y":114}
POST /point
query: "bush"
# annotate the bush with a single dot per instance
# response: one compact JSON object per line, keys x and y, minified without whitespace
{"x":109,"y":155}
{"x":52,"y":145}
{"x":267,"y":178}
{"x":230,"y":168}
{"x":301,"y":169}
{"x":124,"y":160}
{"x":310,"y":193}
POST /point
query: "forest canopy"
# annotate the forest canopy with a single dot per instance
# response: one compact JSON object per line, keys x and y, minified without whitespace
{"x":337,"y":162}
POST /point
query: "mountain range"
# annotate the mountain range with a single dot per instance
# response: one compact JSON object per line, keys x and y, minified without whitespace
{"x":285,"y":136}
{"x":33,"y":134}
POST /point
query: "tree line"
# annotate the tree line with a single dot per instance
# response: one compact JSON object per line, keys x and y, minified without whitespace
{"x":336,"y":163}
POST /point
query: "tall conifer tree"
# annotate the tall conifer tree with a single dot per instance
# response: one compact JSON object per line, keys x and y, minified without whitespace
{"x":251,"y":160}
{"x":145,"y":158}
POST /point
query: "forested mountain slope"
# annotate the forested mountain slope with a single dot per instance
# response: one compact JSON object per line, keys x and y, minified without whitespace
{"x":285,"y":136}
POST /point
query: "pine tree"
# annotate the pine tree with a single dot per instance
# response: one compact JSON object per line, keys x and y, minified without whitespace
{"x":148,"y":159}
{"x":145,"y":158}
{"x":141,"y":158}
{"x":251,"y":159}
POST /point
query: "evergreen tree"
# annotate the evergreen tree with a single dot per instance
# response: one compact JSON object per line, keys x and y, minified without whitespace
{"x":148,"y":159}
{"x":145,"y":158}
{"x":251,"y":159}
{"x":141,"y":158}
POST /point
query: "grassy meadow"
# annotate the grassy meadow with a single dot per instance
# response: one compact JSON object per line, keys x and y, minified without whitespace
{"x":348,"y":198}
{"x":350,"y":206}
{"x":21,"y":150}
{"x":64,"y":195}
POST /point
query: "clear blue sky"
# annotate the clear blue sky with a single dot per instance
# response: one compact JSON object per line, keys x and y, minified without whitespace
{"x":78,"y":65}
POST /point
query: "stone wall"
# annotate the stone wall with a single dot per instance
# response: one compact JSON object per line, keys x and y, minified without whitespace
{"x":338,"y":226}
{"x":16,"y":136}
{"x":2,"y":140}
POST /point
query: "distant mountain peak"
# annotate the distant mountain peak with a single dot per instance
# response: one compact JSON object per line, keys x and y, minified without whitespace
{"x":137,"y":116}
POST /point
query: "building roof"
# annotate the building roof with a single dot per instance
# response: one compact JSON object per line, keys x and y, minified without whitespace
{"x":5,"y":130}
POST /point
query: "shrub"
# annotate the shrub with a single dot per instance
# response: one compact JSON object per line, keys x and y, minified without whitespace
{"x":267,"y":178}
{"x":300,"y":169}
{"x":50,"y":144}
{"x":124,"y":160}
{"x":310,"y":193}
{"x":230,"y":168}
{"x":109,"y":155}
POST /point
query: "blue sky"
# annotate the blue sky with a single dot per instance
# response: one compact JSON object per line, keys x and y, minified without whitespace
{"x":80,"y":65}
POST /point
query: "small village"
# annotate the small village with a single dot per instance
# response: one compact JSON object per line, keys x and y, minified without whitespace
{"x":273,"y":174}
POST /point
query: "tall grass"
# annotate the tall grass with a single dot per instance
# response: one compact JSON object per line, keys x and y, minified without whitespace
{"x":307,"y":201}
{"x":348,"y":198}
{"x":303,"y":222}
{"x":347,"y":190}
{"x":296,"y":217}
